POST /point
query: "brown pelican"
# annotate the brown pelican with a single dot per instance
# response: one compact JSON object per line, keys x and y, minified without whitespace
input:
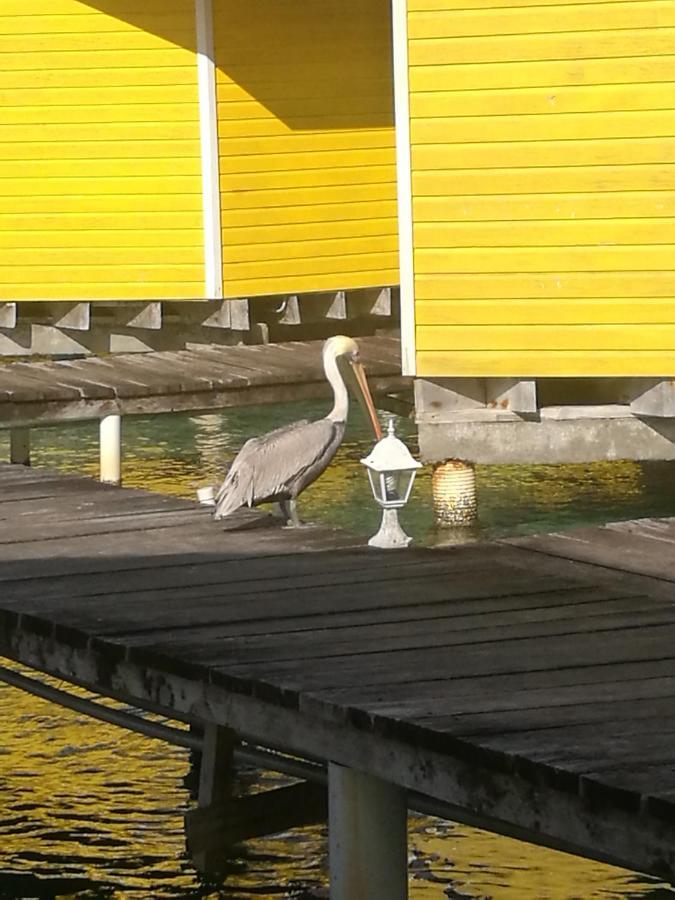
{"x":279,"y":465}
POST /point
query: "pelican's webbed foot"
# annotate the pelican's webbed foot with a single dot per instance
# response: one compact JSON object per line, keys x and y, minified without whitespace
{"x":289,"y":509}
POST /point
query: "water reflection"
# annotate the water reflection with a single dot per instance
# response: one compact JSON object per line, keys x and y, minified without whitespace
{"x":92,"y":811}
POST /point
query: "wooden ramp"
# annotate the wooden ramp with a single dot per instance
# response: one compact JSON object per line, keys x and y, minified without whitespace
{"x":525,"y":686}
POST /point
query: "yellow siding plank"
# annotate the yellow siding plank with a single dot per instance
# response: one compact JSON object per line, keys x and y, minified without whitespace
{"x":544,"y":154}
{"x":92,"y":60}
{"x":504,"y":338}
{"x":339,"y":265}
{"x":285,"y":88}
{"x":547,"y":73}
{"x":294,"y":283}
{"x":297,"y":142}
{"x":95,"y":96}
{"x":58,"y":226}
{"x":342,"y":211}
{"x":416,"y":6}
{"x":320,"y":250}
{"x":545,"y":259}
{"x":547,"y":233}
{"x":308,"y":107}
{"x":91,"y":23}
{"x":12,"y":259}
{"x":528,"y":363}
{"x":306,"y":138}
{"x":589,"y":311}
{"x":346,"y":176}
{"x":546,"y":285}
{"x":15,"y":117}
{"x":123,"y":8}
{"x":146,"y":233}
{"x":125,"y":205}
{"x":99,"y":186}
{"x":632,"y":204}
{"x":149,"y":273}
{"x":457,"y":23}
{"x":305,"y":161}
{"x":571,"y":179}
{"x":543,"y":101}
{"x":573,"y":126}
{"x":88,"y":150}
{"x":150,"y":167}
{"x":101,"y":131}
{"x":516,"y":48}
{"x":106,"y":290}
{"x":90,"y":80}
{"x":311,"y":231}
{"x":107,"y":42}
{"x":100,"y":175}
{"x":301,"y":197}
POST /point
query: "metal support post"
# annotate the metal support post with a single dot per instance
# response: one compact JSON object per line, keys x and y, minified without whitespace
{"x":110,"y":446}
{"x":19,"y":446}
{"x":367,"y":837}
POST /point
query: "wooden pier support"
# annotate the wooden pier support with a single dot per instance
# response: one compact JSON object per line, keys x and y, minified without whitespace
{"x":367,"y":836}
{"x":110,"y":448}
{"x":19,"y":446}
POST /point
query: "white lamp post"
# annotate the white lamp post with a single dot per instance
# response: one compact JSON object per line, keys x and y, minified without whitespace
{"x":391,"y":470}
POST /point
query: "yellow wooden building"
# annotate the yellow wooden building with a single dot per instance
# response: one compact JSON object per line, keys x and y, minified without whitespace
{"x":537,"y":186}
{"x":183,"y":149}
{"x":201,"y":149}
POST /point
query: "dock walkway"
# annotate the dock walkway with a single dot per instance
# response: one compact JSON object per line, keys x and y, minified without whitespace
{"x":525,"y":686}
{"x":206,"y":378}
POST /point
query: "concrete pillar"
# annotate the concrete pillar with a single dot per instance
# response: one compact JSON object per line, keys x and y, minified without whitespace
{"x":19,"y":446}
{"x":110,"y":446}
{"x":367,"y":837}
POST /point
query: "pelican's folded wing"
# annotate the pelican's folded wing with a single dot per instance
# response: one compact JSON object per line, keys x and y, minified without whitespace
{"x":269,"y":467}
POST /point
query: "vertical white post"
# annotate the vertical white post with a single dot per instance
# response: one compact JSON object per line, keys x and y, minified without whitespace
{"x":404,"y":183}
{"x":19,"y":446}
{"x":110,"y":446}
{"x":367,"y":837}
{"x":208,"y":128}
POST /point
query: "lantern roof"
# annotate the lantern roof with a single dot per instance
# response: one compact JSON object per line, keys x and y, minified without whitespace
{"x":390,"y":454}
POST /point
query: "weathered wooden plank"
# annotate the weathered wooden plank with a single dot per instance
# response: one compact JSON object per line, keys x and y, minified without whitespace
{"x":20,"y":387}
{"x":629,"y":552}
{"x":600,"y":744}
{"x":630,"y":706}
{"x":172,"y":376}
{"x":440,"y":631}
{"x":501,"y":657}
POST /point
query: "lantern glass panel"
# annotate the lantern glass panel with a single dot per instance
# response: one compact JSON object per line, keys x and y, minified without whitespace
{"x":375,"y":485}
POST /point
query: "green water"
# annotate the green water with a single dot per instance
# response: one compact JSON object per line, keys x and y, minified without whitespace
{"x":93,"y":811}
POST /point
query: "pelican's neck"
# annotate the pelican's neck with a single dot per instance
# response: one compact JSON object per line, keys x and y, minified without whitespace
{"x":340,"y":396}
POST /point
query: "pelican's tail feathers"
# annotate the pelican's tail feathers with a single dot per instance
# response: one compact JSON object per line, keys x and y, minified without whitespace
{"x":236,"y":491}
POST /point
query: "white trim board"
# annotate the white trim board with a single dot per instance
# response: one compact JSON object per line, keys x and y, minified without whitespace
{"x":208,"y":130}
{"x":404,"y":181}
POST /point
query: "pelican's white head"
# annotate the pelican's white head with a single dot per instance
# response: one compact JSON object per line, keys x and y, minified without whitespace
{"x":341,"y":346}
{"x":335,"y":350}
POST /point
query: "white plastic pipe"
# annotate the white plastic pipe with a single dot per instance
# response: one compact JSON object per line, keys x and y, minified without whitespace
{"x":367,"y":837}
{"x":110,"y":447}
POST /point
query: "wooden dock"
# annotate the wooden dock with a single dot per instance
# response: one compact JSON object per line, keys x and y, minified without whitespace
{"x":206,"y":378}
{"x":524,"y":686}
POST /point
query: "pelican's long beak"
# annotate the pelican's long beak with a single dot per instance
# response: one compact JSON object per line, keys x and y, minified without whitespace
{"x":364,"y":397}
